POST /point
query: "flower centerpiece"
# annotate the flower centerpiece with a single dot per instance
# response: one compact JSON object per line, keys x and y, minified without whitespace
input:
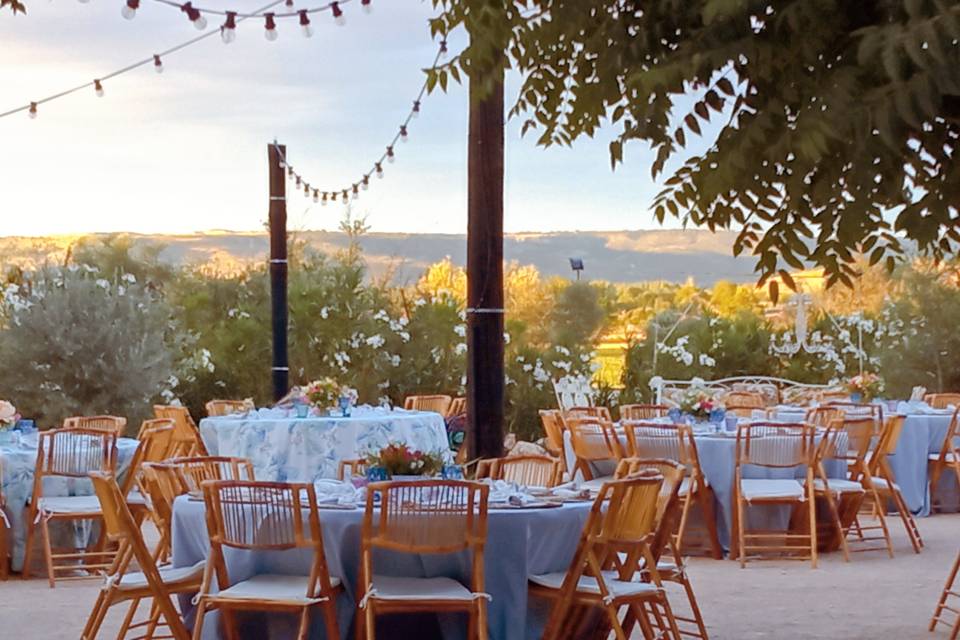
{"x":864,"y":387}
{"x":323,"y":394}
{"x":8,"y":416}
{"x":399,"y":460}
{"x":698,"y":403}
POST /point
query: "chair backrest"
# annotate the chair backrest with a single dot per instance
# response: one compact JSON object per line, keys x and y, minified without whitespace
{"x":528,"y":471}
{"x":573,"y":391}
{"x":859,"y":410}
{"x":773,"y":444}
{"x":186,"y":434}
{"x":75,"y":453}
{"x":834,"y":395}
{"x":744,"y":399}
{"x":824,"y":416}
{"x":216,"y":408}
{"x":435,"y":403}
{"x":156,"y":439}
{"x":643,"y":411}
{"x":553,"y":428}
{"x":657,"y":440}
{"x":673,"y":474}
{"x":593,"y":439}
{"x":889,"y":439}
{"x":942,"y":400}
{"x":111,"y":424}
{"x":603,"y":413}
{"x":196,"y":470}
{"x":458,"y":407}
{"x":262,"y":515}
{"x":433,"y":516}
{"x":350,"y":467}
{"x":631,"y":514}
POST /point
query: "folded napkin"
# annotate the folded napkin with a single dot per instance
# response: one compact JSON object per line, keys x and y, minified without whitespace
{"x":917,"y":394}
{"x":335,"y":492}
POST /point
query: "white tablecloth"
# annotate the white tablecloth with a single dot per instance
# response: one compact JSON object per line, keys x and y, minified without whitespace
{"x":286,"y":448}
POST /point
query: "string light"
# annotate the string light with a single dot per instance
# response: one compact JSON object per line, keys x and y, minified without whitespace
{"x":337,"y":13}
{"x":33,"y":110}
{"x":194,"y":15}
{"x":305,"y":27}
{"x":416,"y":109}
{"x":403,"y":133}
{"x":367,"y":7}
{"x":390,"y":156}
{"x":271,"y":28}
{"x":379,"y":169}
{"x":157,"y":64}
{"x":366,"y":181}
{"x":98,"y":88}
{"x":228,"y":32}
{"x":129,"y":9}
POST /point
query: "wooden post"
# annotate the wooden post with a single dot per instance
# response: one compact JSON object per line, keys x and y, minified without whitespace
{"x":485,"y":371}
{"x":278,"y":269}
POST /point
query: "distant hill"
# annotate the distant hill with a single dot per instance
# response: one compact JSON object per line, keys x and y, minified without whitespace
{"x":616,"y":256}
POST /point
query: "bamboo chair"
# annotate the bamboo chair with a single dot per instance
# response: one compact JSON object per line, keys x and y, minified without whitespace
{"x":432,"y":517}
{"x":528,"y":471}
{"x":774,"y":446}
{"x":436,"y":403}
{"x":592,"y":440}
{"x":744,"y":399}
{"x":156,"y":441}
{"x":197,"y":470}
{"x":69,"y":453}
{"x":350,"y":467}
{"x":830,"y":396}
{"x":885,"y":483}
{"x":942,"y":400}
{"x":824,"y":416}
{"x":600,"y":413}
{"x":616,"y":542}
{"x":552,"y":422}
{"x":742,"y":411}
{"x":283,"y":516}
{"x":672,"y":569}
{"x":457,"y":407}
{"x":860,"y":410}
{"x":110,"y":424}
{"x":676,"y":442}
{"x":186,"y":434}
{"x":832,"y":445}
{"x":643,"y":411}
{"x":163,"y":483}
{"x":943,"y":607}
{"x":4,"y":525}
{"x":121,"y":584}
{"x":948,"y":458}
{"x":219,"y":408}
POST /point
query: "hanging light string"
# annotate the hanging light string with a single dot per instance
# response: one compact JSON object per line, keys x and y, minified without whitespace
{"x":195,"y":15}
{"x":352,"y":191}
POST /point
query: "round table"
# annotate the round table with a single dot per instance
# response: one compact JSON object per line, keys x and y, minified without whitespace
{"x":520,"y":543}
{"x":286,"y":448}
{"x":18,"y":462}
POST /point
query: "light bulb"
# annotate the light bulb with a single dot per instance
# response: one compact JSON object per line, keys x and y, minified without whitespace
{"x":337,"y":14}
{"x":157,"y":64}
{"x":200,"y":23}
{"x":379,"y":168}
{"x":403,"y":133}
{"x":98,"y":88}
{"x":33,"y":110}
{"x":227,"y":35}
{"x":367,"y":7}
{"x":271,"y":35}
{"x":415,"y":112}
{"x":390,"y":156}
{"x":128,"y":12}
{"x":316,"y":196}
{"x":307,"y":31}
{"x":366,"y":183}
{"x":83,"y":1}
{"x":323,"y":201}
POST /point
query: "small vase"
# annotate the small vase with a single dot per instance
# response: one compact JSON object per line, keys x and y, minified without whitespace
{"x":856,"y":397}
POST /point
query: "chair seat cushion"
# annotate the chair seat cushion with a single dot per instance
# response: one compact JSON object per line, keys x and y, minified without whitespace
{"x":589,"y":585}
{"x":883,"y":485}
{"x":137,"y":499}
{"x":170,"y":576}
{"x":838,"y":485}
{"x":396,"y":588}
{"x":79,"y":505}
{"x":947,"y":458}
{"x":754,"y":489}
{"x":596,"y":484}
{"x":269,"y":586}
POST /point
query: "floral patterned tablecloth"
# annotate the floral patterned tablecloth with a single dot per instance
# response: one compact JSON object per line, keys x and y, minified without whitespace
{"x":286,"y":448}
{"x":18,"y":461}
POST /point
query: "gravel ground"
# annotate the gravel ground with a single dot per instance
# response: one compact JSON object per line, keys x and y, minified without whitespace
{"x":871,"y":597}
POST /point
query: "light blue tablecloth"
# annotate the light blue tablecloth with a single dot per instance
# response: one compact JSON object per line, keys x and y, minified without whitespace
{"x":19,"y":462}
{"x":286,"y":448}
{"x":520,"y":543}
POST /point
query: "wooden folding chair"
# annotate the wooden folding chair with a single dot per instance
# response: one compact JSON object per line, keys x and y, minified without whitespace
{"x":592,"y":440}
{"x":885,"y":483}
{"x":121,"y":584}
{"x":599,"y":413}
{"x":351,"y":467}
{"x":859,"y":410}
{"x":186,"y":434}
{"x":70,"y":453}
{"x":110,"y":424}
{"x":265,"y":516}
{"x":431,"y":517}
{"x":219,"y":408}
{"x":435,"y":403}
{"x":942,"y":400}
{"x":458,"y":407}
{"x":643,"y":411}
{"x":774,"y":446}
{"x":197,"y":470}
{"x":618,"y":539}
{"x":676,"y":442}
{"x":944,"y":608}
{"x":552,"y":422}
{"x":947,"y":459}
{"x":747,"y":399}
{"x":4,"y":526}
{"x":163,"y":483}
{"x":528,"y":471}
{"x":824,"y":416}
{"x":156,"y":441}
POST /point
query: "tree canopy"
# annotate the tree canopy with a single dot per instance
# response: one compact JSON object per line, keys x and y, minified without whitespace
{"x":820,"y":130}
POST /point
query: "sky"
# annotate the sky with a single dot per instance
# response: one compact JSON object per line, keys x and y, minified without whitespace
{"x":185,"y":150}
